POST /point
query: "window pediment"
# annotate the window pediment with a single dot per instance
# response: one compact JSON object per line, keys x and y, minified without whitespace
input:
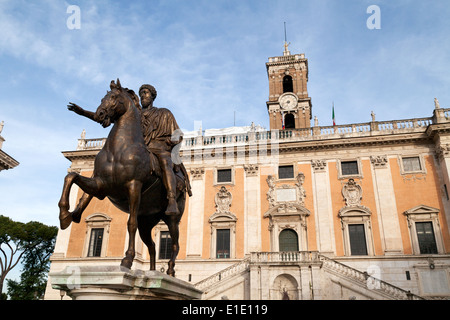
{"x":98,"y":217}
{"x":421,"y":209}
{"x":354,"y":211}
{"x":287,"y":209}
{"x":223,"y":217}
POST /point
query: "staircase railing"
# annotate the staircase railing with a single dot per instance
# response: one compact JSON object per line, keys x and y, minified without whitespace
{"x":332,"y":265}
{"x":369,"y":281}
{"x":223,"y":274}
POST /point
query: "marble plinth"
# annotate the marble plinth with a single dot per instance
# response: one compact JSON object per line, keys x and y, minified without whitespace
{"x":118,"y":283}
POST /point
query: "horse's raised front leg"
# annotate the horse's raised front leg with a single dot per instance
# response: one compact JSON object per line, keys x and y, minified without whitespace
{"x":134,"y":197}
{"x":92,"y":186}
{"x":65,"y":217}
{"x":82,"y":204}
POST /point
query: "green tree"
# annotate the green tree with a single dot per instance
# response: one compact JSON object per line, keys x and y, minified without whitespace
{"x":32,"y":241}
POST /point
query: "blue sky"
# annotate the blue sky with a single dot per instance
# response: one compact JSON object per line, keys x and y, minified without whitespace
{"x":207,"y":61}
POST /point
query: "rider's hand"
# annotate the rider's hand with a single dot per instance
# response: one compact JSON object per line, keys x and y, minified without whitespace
{"x":75,"y":108}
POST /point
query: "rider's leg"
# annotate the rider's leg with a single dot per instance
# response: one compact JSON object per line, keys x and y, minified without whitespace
{"x":170,"y":182}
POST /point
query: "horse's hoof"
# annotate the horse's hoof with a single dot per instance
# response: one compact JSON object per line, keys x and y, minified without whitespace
{"x":126,"y":263}
{"x":171,"y":273}
{"x":65,"y":221}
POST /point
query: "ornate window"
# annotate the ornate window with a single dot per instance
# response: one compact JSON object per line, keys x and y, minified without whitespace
{"x":357,"y":231}
{"x":424,"y":230}
{"x":223,"y":227}
{"x":97,"y":235}
{"x":355,"y":222}
{"x":287,"y":215}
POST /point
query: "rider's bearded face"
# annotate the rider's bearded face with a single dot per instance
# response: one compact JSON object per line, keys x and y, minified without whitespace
{"x":146,"y":98}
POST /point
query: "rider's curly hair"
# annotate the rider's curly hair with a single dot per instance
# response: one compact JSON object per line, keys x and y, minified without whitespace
{"x":150,"y":88}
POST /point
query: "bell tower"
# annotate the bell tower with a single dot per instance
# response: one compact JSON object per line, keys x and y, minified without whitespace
{"x":289,"y":105}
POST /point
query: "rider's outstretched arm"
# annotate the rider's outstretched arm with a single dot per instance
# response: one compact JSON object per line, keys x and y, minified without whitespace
{"x":78,"y":110}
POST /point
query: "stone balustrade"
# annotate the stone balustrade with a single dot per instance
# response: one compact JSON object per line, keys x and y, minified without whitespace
{"x":285,"y":256}
{"x":223,"y":274}
{"x":367,"y":280}
{"x":293,"y":135}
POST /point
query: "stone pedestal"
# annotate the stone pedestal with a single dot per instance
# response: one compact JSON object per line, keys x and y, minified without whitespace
{"x":118,"y":283}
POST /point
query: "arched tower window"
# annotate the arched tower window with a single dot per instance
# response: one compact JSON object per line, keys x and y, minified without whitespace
{"x":289,"y":121}
{"x":288,"y":240}
{"x":287,"y":84}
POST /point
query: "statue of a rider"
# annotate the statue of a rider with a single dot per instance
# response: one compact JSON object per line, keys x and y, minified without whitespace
{"x":161,"y":134}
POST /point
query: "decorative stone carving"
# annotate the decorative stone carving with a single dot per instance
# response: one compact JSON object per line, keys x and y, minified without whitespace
{"x":197,"y":173}
{"x":301,"y":191}
{"x":352,"y":193}
{"x":271,"y":193}
{"x":251,"y":169}
{"x":286,"y":193}
{"x":223,"y":200}
{"x":319,"y":165}
{"x":443,"y":151}
{"x":379,"y":161}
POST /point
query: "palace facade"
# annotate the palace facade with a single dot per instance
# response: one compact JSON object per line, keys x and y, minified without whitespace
{"x":300,"y":211}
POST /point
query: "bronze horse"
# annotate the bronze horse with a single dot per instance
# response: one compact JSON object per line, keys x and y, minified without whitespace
{"x":127,"y":174}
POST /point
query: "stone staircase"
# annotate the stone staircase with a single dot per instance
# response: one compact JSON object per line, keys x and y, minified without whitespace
{"x":344,"y":274}
{"x":364,"y":280}
{"x":216,"y":283}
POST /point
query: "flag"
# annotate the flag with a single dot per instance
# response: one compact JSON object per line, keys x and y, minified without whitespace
{"x":282,"y":120}
{"x":333,"y":117}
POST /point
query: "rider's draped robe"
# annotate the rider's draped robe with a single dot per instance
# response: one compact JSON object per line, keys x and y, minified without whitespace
{"x":159,"y":126}
{"x":158,"y":123}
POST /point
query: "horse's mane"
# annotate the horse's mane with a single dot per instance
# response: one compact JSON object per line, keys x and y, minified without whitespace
{"x":134,"y":97}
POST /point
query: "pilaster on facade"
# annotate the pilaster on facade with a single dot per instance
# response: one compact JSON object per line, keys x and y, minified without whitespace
{"x":388,"y":216}
{"x":252,"y":209}
{"x":194,"y":244}
{"x":322,"y":207}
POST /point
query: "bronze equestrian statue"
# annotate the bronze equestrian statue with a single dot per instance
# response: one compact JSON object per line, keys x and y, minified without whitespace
{"x":132,"y":171}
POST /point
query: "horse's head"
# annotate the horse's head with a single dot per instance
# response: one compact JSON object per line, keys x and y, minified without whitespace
{"x":115,"y":103}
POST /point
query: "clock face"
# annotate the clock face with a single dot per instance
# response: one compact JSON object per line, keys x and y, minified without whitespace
{"x":288,"y":101}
